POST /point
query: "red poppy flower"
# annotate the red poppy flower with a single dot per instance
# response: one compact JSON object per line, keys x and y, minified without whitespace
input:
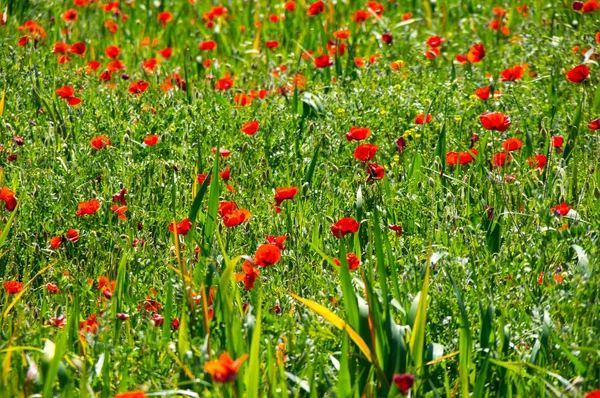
{"x":224,"y":84}
{"x":149,"y":65}
{"x":225,"y":174}
{"x":594,"y":124}
{"x":512,"y":74}
{"x":290,"y":6}
{"x":100,"y":142}
{"x":376,"y":172}
{"x":465,"y":158}
{"x":112,"y":51}
{"x":207,"y":45}
{"x":60,"y":48}
{"x":476,"y":53}
{"x":250,"y":127}
{"x":72,"y":235}
{"x":590,"y":5}
{"x":248,"y":275}
{"x":432,"y":53}
{"x":512,"y":144}
{"x":151,"y":140}
{"x":404,"y":382}
{"x":224,"y":369}
{"x":461,"y":59}
{"x":65,"y":91}
{"x":105,"y":76}
{"x":73,"y":101}
{"x":86,"y":208}
{"x":344,"y":226}
{"x":182,"y":228}
{"x":70,"y":15}
{"x":277,"y":241}
{"x":13,"y":287}
{"x":166,"y":52}
{"x":323,"y":61}
{"x":353,"y":261}
{"x":90,"y":325}
{"x":78,"y":48}
{"x":316,"y":8}
{"x":396,"y":228}
{"x":500,"y":159}
{"x":55,"y":242}
{"x":282,"y":194}
{"x":267,"y":255}
{"x":272,"y":44}
{"x":495,"y":121}
{"x":226,"y":208}
{"x":120,"y":210}
{"x":52,"y":288}
{"x":23,"y":41}
{"x":562,"y":209}
{"x":115,"y":66}
{"x":358,"y":133}
{"x":593,"y":394}
{"x":236,"y":217}
{"x":365,"y":152}
{"x":342,"y":34}
{"x":361,"y":16}
{"x":483,"y":93}
{"x":242,"y":100}
{"x":578,"y":74}
{"x":537,"y":161}
{"x":557,"y":141}
{"x":164,"y":17}
{"x":138,"y":87}
{"x":435,"y":41}
{"x":9,"y":199}
{"x":420,"y":119}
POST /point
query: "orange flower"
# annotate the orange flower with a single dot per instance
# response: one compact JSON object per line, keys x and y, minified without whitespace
{"x":267,"y":254}
{"x":224,"y":369}
{"x":100,"y":142}
{"x":476,"y":53}
{"x":250,"y":127}
{"x":236,"y":217}
{"x":9,"y":199}
{"x":512,"y":74}
{"x":132,"y":394}
{"x":512,"y":144}
{"x":151,"y":140}
{"x":89,"y":207}
{"x":120,"y":210}
{"x":248,"y":275}
{"x":421,"y":119}
{"x":242,"y":100}
{"x":13,"y":287}
{"x":70,"y":15}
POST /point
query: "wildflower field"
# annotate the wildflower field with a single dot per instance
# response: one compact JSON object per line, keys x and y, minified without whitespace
{"x":291,"y":199}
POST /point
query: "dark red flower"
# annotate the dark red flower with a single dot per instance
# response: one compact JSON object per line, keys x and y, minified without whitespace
{"x":404,"y":382}
{"x":376,"y":172}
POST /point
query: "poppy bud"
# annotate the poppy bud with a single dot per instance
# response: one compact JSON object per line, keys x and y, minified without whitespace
{"x":577,"y":5}
{"x":98,"y":179}
{"x":140,"y":226}
{"x":305,"y":187}
{"x":126,"y":137}
{"x":32,"y":123}
{"x":52,"y":18}
{"x":387,"y":38}
{"x":122,"y":317}
{"x":123,"y":236}
{"x":431,"y":182}
{"x":244,"y":147}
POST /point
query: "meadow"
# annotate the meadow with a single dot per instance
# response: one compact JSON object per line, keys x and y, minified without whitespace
{"x":294,"y":199}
